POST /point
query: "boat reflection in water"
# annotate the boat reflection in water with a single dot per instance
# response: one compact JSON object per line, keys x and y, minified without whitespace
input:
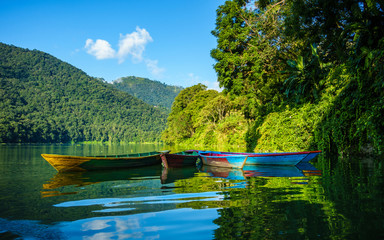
{"x":308,"y":169}
{"x":79,"y":179}
{"x":170,"y":175}
{"x":300,"y":170}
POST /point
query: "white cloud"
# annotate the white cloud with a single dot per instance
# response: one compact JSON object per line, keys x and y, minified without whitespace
{"x":130,"y":45}
{"x":133,"y":44}
{"x":101,"y":49}
{"x":153,"y":68}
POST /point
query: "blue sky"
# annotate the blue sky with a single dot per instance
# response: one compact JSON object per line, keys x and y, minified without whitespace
{"x":169,"y":41}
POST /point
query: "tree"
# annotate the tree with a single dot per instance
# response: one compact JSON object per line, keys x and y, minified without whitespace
{"x":214,"y":111}
{"x":251,"y":53}
{"x":185,"y":111}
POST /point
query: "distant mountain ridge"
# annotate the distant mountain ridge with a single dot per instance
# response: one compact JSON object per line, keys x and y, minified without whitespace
{"x":43,"y":99}
{"x":150,"y":91}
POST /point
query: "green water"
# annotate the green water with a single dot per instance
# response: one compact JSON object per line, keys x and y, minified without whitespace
{"x":330,"y":200}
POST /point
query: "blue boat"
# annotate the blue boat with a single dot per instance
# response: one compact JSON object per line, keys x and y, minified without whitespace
{"x":283,"y":158}
{"x":223,"y":160}
{"x":310,"y":156}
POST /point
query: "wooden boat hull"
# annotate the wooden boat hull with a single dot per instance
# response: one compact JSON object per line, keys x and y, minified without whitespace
{"x":187,"y":158}
{"x":287,"y":158}
{"x":223,"y":160}
{"x":63,"y":163}
{"x":284,"y":158}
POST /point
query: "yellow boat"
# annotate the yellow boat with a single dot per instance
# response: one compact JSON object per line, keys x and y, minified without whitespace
{"x":64,"y":163}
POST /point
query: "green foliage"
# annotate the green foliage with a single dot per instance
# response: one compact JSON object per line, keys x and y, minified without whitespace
{"x":353,"y":122}
{"x":289,"y":129}
{"x":297,"y":75}
{"x":214,"y":111}
{"x":206,"y":118}
{"x":43,"y":99}
{"x":306,"y":77}
{"x":322,"y":58}
{"x":185,"y":110}
{"x":248,"y":54}
{"x":152,"y":92}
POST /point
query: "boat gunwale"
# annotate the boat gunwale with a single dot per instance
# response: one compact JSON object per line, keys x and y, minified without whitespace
{"x":275,"y":154}
{"x":221,"y":154}
{"x":201,"y":154}
{"x":180,"y":154}
{"x":107,"y":157}
{"x":281,"y":154}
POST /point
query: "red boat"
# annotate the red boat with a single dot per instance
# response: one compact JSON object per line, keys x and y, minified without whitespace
{"x":180,"y":159}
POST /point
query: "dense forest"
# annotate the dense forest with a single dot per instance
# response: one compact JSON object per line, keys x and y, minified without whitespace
{"x":297,"y":75}
{"x":43,"y":99}
{"x":152,"y":92}
{"x":205,"y":117}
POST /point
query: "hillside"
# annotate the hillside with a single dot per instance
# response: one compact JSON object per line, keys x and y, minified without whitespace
{"x":151,"y":92}
{"x":43,"y":99}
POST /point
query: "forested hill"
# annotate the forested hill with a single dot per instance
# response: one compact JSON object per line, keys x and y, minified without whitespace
{"x":152,"y":92}
{"x":43,"y":99}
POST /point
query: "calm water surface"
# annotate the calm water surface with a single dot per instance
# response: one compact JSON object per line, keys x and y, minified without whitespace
{"x":320,"y":201}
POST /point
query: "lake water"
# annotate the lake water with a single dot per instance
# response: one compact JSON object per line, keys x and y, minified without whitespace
{"x":342,"y":200}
